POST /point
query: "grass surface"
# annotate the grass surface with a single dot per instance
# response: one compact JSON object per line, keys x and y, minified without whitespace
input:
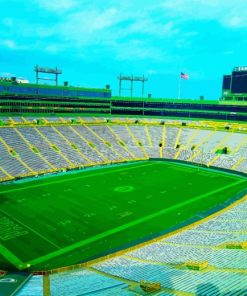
{"x":62,"y":220}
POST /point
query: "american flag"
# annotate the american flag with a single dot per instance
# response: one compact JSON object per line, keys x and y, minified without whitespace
{"x":184,"y":76}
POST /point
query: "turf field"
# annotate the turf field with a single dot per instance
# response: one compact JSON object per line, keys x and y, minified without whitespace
{"x":62,"y":220}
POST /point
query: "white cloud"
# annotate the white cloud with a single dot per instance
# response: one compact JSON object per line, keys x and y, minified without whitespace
{"x":122,"y":30}
{"x":116,"y":29}
{"x":84,"y":27}
{"x":152,"y":72}
{"x":232,"y":14}
{"x":11,"y":44}
{"x":54,"y":48}
{"x":144,"y":52}
{"x":228,"y":52}
{"x":236,"y":21}
{"x":153,"y":27}
{"x":8,"y":22}
{"x":7,"y":74}
{"x":57,"y":5}
{"x":90,"y":29}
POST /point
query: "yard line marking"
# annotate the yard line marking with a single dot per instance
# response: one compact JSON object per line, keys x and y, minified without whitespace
{"x":10,"y":256}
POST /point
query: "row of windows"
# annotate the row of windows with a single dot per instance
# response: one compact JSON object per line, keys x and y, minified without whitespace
{"x":132,"y":112}
{"x":28,"y":104}
{"x":16,"y":110}
{"x":23,"y":98}
{"x":219,"y":116}
{"x":53,"y":92}
{"x":127,"y":104}
{"x":181,"y":114}
{"x":241,"y":99}
{"x":180,"y":106}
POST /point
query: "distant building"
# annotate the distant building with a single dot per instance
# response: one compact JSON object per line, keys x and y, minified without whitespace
{"x":22,"y":80}
{"x":14,"y":79}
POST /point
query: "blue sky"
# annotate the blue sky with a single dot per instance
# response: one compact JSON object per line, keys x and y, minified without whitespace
{"x":93,"y":43}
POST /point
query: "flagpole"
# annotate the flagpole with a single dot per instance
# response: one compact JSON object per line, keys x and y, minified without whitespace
{"x":179,"y":87}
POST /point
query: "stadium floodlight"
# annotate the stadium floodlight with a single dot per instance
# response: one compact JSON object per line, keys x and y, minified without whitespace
{"x":55,"y":71}
{"x":131,"y":78}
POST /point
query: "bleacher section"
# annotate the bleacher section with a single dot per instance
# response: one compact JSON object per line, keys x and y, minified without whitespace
{"x":166,"y":260}
{"x":34,"y":287}
{"x":82,"y":282}
{"x":77,"y":282}
{"x":28,"y":148}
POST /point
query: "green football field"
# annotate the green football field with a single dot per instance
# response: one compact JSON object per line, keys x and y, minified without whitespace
{"x":66,"y":219}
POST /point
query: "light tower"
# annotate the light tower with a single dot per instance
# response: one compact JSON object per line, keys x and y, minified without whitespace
{"x":131,"y":78}
{"x":52,"y":71}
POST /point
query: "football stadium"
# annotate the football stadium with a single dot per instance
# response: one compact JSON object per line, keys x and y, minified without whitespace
{"x":113,"y":195}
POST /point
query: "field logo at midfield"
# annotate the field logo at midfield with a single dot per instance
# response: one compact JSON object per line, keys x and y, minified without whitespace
{"x":8,"y":280}
{"x":124,"y":189}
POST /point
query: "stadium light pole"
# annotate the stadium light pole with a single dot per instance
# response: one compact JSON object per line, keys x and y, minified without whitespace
{"x":131,"y":79}
{"x":179,"y":87}
{"x":143,"y":107}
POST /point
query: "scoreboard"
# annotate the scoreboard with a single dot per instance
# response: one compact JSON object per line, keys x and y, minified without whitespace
{"x":239,"y":81}
{"x":234,"y":86}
